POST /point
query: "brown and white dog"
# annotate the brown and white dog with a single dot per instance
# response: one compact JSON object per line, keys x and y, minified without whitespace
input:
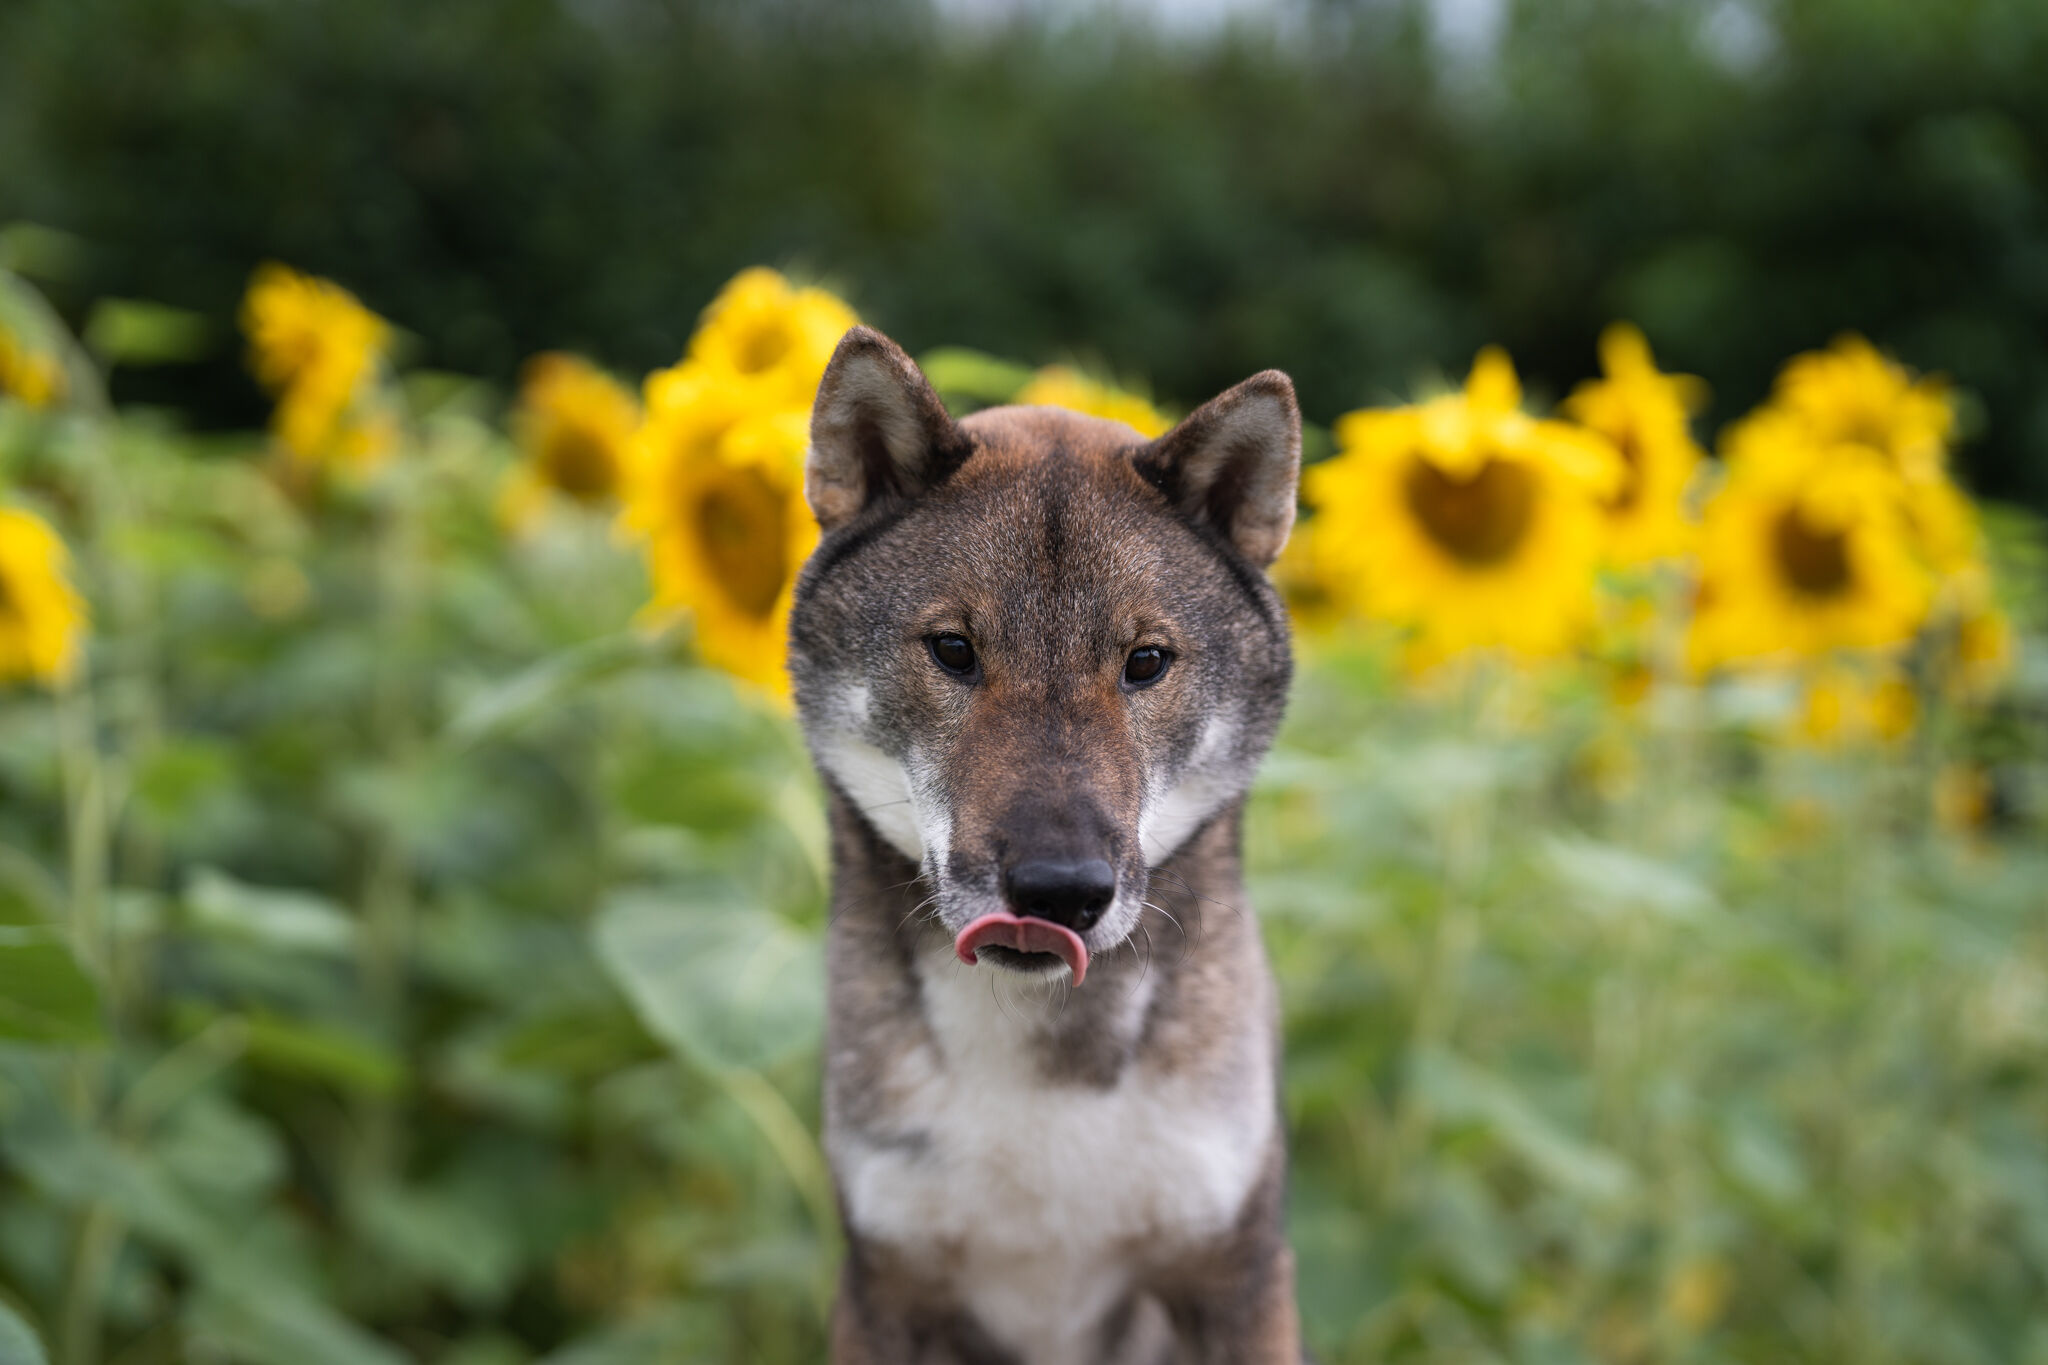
{"x":1037,"y":659}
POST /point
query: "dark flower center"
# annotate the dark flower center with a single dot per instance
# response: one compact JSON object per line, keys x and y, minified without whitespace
{"x":741,"y":527}
{"x":579,"y":462}
{"x":1479,"y":520}
{"x":764,"y":347}
{"x":1812,"y":562}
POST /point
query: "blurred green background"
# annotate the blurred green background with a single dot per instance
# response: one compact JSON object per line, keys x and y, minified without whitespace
{"x":1353,"y":191}
{"x":376,"y":910}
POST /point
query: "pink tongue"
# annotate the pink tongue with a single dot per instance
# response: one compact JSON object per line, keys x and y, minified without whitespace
{"x":1026,"y":935}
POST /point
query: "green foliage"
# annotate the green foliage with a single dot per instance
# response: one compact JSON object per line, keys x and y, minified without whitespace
{"x":404,"y":960}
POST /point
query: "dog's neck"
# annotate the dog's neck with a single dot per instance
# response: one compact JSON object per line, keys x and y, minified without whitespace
{"x":893,"y":958}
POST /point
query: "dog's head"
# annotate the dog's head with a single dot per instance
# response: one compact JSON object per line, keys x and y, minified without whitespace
{"x":1034,"y":650}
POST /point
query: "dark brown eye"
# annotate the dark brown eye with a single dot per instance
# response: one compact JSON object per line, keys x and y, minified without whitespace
{"x":1145,"y":666}
{"x":953,"y":652}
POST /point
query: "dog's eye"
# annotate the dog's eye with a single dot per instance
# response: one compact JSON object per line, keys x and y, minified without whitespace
{"x":1146,"y":666}
{"x":953,"y":652}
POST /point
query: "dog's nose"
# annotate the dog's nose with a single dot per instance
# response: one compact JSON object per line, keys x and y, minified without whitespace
{"x":1061,"y":890}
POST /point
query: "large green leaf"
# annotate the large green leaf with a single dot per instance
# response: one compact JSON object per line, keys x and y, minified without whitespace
{"x":676,"y":1332}
{"x":723,"y":982}
{"x":1607,"y":880}
{"x":272,"y":917}
{"x":504,"y":705}
{"x":45,"y":995}
{"x":264,"y":1324}
{"x":18,"y":1344}
{"x":437,"y":1235}
{"x":1461,"y":1091}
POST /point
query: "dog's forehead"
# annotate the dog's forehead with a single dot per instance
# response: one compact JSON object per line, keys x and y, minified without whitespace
{"x":1047,"y":513}
{"x":1025,"y":433}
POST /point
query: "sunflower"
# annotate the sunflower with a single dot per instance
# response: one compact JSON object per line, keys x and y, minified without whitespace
{"x":41,"y":618}
{"x":715,"y":482}
{"x":1057,"y":386}
{"x":1465,"y":519}
{"x":1805,"y":553}
{"x":1852,"y":397}
{"x":1645,"y":414}
{"x":1852,"y":394}
{"x":27,"y":374}
{"x":718,"y":495}
{"x":317,"y":349}
{"x":1303,"y":575}
{"x":575,"y":424}
{"x":769,"y":339}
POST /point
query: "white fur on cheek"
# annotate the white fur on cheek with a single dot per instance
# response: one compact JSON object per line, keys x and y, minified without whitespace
{"x":879,"y":788}
{"x":1208,"y":780}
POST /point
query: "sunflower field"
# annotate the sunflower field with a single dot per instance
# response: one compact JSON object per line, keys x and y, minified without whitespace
{"x":412,"y":883}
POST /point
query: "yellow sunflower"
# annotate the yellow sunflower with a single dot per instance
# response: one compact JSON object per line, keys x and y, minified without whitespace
{"x":317,"y":350}
{"x":575,"y":424}
{"x":1057,"y":386}
{"x":769,"y":339}
{"x":29,"y":375}
{"x":1802,"y":554}
{"x":1645,"y":414}
{"x":1852,"y":397}
{"x":1304,"y":577}
{"x":1465,"y":519}
{"x":1852,"y":394}
{"x":718,"y":494}
{"x":42,"y":619}
{"x":716,"y":479}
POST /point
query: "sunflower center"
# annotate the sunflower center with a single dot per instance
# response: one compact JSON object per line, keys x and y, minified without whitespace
{"x":763,"y":347}
{"x":1869,"y":426}
{"x":1478,"y":520}
{"x":579,"y":462}
{"x":1630,"y":491}
{"x":741,"y":527}
{"x":1813,"y":562}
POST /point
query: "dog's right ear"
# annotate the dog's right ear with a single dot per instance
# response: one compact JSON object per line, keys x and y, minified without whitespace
{"x":877,"y":430}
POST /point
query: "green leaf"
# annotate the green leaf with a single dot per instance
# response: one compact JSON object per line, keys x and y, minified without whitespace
{"x":18,"y":1344}
{"x":262,"y":1323}
{"x":45,"y":995}
{"x":504,"y":705}
{"x":272,"y":917}
{"x":216,"y":1149}
{"x":724,"y":983}
{"x":438,"y":1236}
{"x":132,"y":332}
{"x":327,"y":1054}
{"x":973,"y":377}
{"x":1462,"y":1091}
{"x":1606,"y":879}
{"x":676,"y":1332}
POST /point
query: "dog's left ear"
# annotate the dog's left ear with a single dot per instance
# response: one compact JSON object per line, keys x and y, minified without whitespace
{"x":1232,"y":464}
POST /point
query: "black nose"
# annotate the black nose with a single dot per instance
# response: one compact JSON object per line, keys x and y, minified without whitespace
{"x":1071,"y":893}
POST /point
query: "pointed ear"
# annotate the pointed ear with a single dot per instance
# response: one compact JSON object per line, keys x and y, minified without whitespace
{"x":877,"y":430}
{"x":1233,"y":463}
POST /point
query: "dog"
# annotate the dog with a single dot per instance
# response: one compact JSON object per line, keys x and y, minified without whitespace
{"x":1036,"y":660}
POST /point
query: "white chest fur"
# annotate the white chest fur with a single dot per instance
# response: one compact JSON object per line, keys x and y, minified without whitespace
{"x":1040,"y":1200}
